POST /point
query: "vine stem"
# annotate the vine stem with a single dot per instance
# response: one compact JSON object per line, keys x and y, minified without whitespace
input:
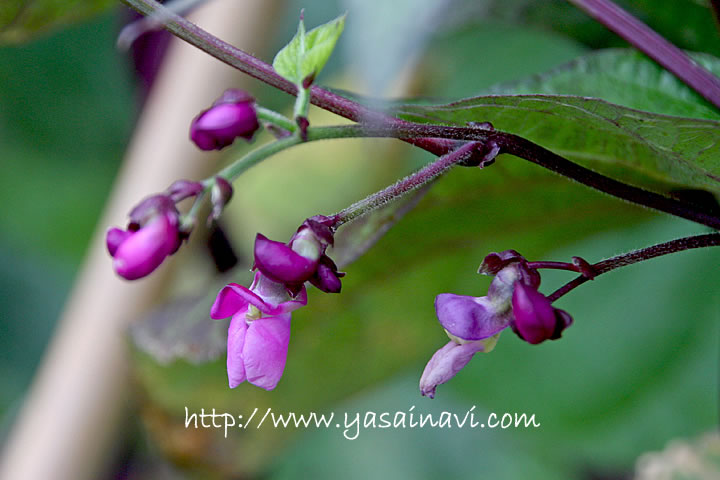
{"x":433,"y":138}
{"x":654,"y":46}
{"x":520,"y":147}
{"x":673,"y":246}
{"x":416,"y":180}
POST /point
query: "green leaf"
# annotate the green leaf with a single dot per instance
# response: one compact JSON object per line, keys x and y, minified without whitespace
{"x":658,"y":152}
{"x":307,"y":53}
{"x":624,"y":77}
{"x":21,"y":20}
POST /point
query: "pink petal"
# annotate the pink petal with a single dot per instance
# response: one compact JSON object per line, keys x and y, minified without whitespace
{"x":235,"y":343}
{"x":234,"y":298}
{"x":265,"y":350}
{"x":143,"y":251}
{"x":114,"y":238}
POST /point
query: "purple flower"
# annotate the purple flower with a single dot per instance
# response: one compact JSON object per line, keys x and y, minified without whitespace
{"x":474,"y":323}
{"x":301,"y":259}
{"x":259,"y":331}
{"x":536,"y":320}
{"x":232,"y":115}
{"x":152,"y":235}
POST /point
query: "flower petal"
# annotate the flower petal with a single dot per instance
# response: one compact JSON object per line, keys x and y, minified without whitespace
{"x":535,"y":319}
{"x":326,"y":277}
{"x":143,"y":251}
{"x":235,"y":343}
{"x":265,"y":350}
{"x":280,"y":263}
{"x":275,"y":295}
{"x":469,"y":318}
{"x":234,"y":298}
{"x":115,"y":237}
{"x":445,"y":364}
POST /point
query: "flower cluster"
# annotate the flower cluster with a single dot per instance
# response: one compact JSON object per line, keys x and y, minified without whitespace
{"x":153,"y":233}
{"x":259,"y":331}
{"x":474,"y":323}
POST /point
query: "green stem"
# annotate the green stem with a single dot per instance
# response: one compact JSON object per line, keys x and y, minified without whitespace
{"x":234,"y":170}
{"x":302,"y":102}
{"x":275,"y":118}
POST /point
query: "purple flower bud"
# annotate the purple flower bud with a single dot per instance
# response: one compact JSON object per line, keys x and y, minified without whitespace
{"x":232,"y":115}
{"x":182,"y":189}
{"x":446,"y":363}
{"x":137,"y":253}
{"x":220,"y":195}
{"x":536,"y":320}
{"x":280,"y":263}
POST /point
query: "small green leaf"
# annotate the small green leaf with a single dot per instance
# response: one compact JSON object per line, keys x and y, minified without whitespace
{"x":307,"y":53}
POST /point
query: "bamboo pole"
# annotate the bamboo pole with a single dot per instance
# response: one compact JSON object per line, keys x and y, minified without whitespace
{"x":74,"y":411}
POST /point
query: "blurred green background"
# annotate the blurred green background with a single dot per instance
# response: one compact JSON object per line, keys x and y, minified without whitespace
{"x":638,"y":369}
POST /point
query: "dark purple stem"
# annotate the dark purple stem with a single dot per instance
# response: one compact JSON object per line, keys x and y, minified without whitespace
{"x":655,"y":46}
{"x":523,"y":148}
{"x":520,"y":147}
{"x":554,"y":266}
{"x":674,"y":246}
